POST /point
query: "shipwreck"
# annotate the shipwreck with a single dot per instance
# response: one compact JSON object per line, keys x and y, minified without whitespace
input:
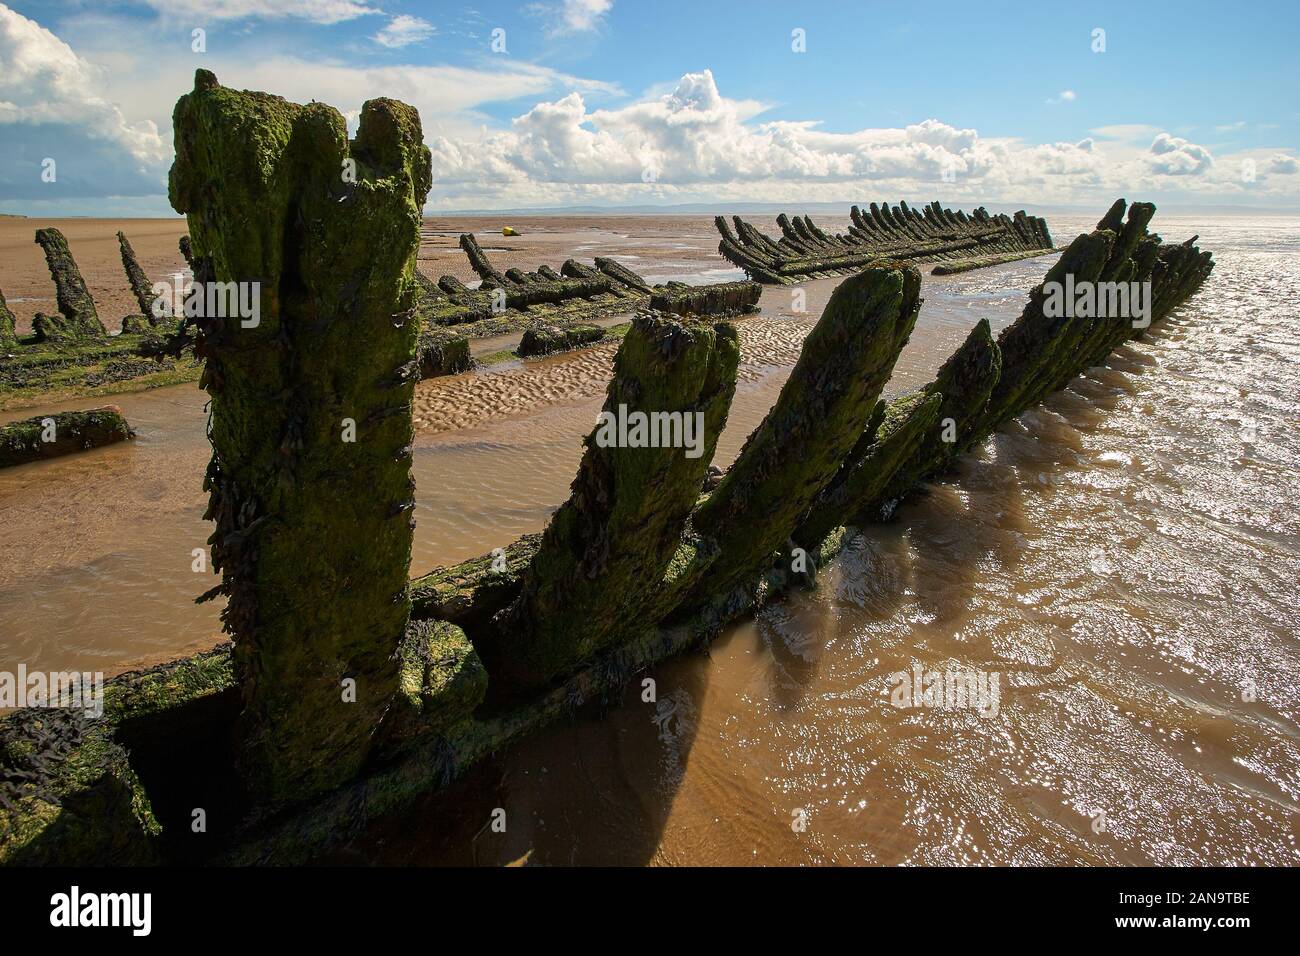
{"x":555,"y":311}
{"x":953,"y":240}
{"x":73,"y":352}
{"x":349,"y":689}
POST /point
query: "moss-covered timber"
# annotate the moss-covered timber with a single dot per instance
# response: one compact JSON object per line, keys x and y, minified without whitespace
{"x":441,"y":681}
{"x":68,"y":793}
{"x":71,"y":789}
{"x":69,"y":355}
{"x":819,"y":416}
{"x":546,"y":339}
{"x":141,"y":287}
{"x":442,"y":351}
{"x":980,"y":262}
{"x":554,"y":310}
{"x":43,"y":373}
{"x":1049,"y":352}
{"x":1042,"y":350}
{"x":310,"y":484}
{"x":470,"y":593}
{"x":722,"y":298}
{"x":63,"y":433}
{"x":902,"y":233}
{"x":867,"y":473}
{"x":77,"y":320}
{"x":962,"y":388}
{"x":606,"y":549}
{"x":8,"y":336}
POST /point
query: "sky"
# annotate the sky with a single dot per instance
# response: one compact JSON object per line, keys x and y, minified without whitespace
{"x":607,"y":103}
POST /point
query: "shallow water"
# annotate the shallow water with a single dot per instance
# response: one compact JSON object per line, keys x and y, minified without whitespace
{"x":1125,"y":559}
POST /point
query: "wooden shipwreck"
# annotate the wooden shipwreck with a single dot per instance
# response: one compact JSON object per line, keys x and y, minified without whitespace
{"x":73,"y":353}
{"x":349,"y":690}
{"x":554,"y":310}
{"x":955,"y":241}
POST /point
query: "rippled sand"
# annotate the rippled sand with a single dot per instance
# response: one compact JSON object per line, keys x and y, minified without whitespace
{"x":507,"y":390}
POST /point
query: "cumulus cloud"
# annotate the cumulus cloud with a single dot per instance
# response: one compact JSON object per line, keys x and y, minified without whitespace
{"x":1175,"y":156}
{"x":1065,"y":96}
{"x":403,"y":30}
{"x":313,"y":11}
{"x":694,"y":144}
{"x":52,"y":105}
{"x":693,"y":139}
{"x":1283,"y":164}
{"x":693,"y":134}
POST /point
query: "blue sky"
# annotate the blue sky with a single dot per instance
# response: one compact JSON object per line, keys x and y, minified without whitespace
{"x":601,"y":103}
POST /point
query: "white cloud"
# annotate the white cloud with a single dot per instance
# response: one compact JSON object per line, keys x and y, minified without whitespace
{"x":403,"y":30}
{"x":585,"y":14}
{"x":572,"y":16}
{"x":702,"y":146}
{"x":313,"y":11}
{"x":1065,"y":96}
{"x":694,"y":135}
{"x":1175,"y":156}
{"x":1283,"y":164}
{"x":53,"y":104}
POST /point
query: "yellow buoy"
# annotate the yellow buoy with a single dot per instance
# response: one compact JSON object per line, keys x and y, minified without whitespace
{"x":507,"y":231}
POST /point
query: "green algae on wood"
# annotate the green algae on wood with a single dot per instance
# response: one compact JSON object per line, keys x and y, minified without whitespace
{"x":68,"y":793}
{"x":442,"y":352}
{"x":61,"y":433}
{"x":442,"y":681}
{"x":546,"y":339}
{"x":722,"y":298}
{"x":36,"y":376}
{"x":932,"y":234}
{"x":981,"y":262}
{"x":605,"y":550}
{"x":554,"y":310}
{"x":141,"y":287}
{"x":866,"y":475}
{"x":451,"y":729}
{"x":1041,"y":352}
{"x":77,"y":319}
{"x":8,"y":337}
{"x":470,"y":593}
{"x":69,"y":355}
{"x":819,"y":416}
{"x":310,"y":483}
